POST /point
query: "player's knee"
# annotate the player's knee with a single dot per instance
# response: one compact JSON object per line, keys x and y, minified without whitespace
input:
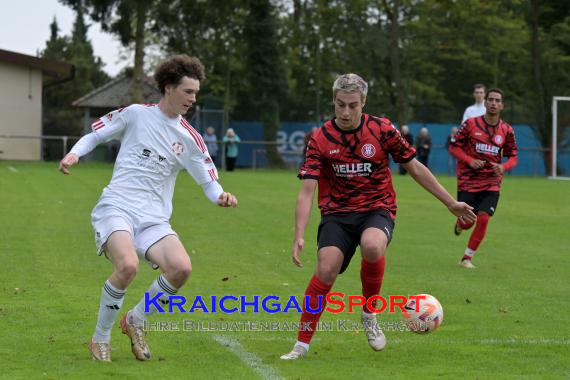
{"x":184,"y":271}
{"x":327,"y":277}
{"x":327,"y":273}
{"x":372,"y":250}
{"x":179,"y":274}
{"x":128,"y":269}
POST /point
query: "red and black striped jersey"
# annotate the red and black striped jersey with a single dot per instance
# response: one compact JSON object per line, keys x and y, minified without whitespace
{"x":353,"y":167}
{"x":482,"y":141}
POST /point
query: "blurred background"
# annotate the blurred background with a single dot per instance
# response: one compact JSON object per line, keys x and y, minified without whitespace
{"x":271,"y":64}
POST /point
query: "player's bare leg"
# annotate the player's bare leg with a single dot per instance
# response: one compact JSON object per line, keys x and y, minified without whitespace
{"x":169,"y":254}
{"x":120,"y":251}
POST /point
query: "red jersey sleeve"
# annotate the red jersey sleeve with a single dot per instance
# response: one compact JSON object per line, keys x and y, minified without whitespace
{"x":311,"y":168}
{"x":395,"y":144}
{"x":112,"y":126}
{"x":510,"y":148}
{"x":461,"y":137}
{"x":459,"y":142}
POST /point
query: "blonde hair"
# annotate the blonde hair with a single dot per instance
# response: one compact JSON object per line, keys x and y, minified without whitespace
{"x":350,"y":83}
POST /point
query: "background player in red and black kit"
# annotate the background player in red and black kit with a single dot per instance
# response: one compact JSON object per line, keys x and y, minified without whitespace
{"x":479,"y":146}
{"x":348,"y":158}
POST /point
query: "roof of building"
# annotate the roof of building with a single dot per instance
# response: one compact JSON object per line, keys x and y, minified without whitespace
{"x":56,"y":69}
{"x":117,"y":93}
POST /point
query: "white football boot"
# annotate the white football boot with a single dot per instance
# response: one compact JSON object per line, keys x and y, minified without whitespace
{"x":376,"y":337}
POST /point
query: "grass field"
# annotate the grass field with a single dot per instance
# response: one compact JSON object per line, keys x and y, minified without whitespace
{"x":507,"y":319}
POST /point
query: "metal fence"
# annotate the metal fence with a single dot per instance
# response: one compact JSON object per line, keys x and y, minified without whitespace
{"x":253,"y":155}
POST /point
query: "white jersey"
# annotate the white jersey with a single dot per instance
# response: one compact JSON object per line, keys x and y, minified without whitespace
{"x":477,"y":109}
{"x":154,"y":148}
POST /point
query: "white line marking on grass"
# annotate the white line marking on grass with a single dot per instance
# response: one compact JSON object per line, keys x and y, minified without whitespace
{"x":484,"y":342}
{"x":13,"y":169}
{"x":248,"y":358}
{"x":530,"y":341}
{"x":289,"y":339}
{"x":519,"y":341}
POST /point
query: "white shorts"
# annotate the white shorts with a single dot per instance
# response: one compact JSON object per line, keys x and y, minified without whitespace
{"x":107,"y":219}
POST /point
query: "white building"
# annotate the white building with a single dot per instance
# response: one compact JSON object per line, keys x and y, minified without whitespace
{"x":22,"y":79}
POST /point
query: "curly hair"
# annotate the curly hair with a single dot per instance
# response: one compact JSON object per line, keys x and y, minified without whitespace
{"x":175,"y":68}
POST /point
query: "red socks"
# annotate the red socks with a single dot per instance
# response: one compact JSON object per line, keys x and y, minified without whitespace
{"x":478,"y":234}
{"x":309,"y":321}
{"x":371,"y":275}
{"x":479,"y":231}
{"x":463,"y":225}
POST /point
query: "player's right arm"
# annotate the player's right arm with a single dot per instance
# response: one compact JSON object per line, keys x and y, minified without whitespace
{"x":457,"y":144}
{"x":106,"y":128}
{"x":302,"y":213}
{"x":309,"y":174}
{"x":458,"y":153}
{"x":85,"y":145}
{"x":68,"y":161}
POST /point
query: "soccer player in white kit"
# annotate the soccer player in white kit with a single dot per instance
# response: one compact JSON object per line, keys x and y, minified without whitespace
{"x":131,"y":218}
{"x":477,"y":109}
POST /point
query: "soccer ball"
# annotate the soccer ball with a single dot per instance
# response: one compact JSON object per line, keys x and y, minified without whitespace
{"x":427,"y":319}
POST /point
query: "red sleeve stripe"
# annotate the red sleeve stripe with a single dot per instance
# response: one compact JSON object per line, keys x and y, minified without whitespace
{"x":195,"y":135}
{"x":213,"y":175}
{"x":98,"y":124}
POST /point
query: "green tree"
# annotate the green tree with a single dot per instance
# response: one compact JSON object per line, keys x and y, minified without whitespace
{"x":213,"y":31}
{"x":266,"y":72}
{"x":319,"y":50}
{"x":60,"y":118}
{"x":127,"y":19}
{"x":398,"y":90}
{"x":448,"y":49}
{"x":549,"y":22}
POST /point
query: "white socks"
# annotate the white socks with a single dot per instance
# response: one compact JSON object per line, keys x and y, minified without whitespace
{"x":469,"y":252}
{"x":160,"y":285}
{"x":109,"y":306}
{"x":112,"y":300}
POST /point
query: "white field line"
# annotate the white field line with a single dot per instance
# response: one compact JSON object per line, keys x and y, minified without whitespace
{"x":484,"y":342}
{"x":12,"y":169}
{"x":248,"y":358}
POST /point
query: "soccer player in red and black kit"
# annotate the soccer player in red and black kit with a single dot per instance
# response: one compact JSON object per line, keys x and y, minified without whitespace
{"x":348,"y":158}
{"x":479,"y":146}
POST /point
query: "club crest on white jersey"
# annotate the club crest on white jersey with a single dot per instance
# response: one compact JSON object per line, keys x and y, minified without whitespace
{"x":177,"y":148}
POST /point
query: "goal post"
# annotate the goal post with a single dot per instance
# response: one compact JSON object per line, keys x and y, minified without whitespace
{"x":560,"y":137}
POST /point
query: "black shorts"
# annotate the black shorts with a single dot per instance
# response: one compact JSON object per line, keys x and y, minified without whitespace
{"x":486,"y":201}
{"x":344,"y":230}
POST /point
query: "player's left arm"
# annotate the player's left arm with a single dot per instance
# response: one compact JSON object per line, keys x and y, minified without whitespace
{"x":216,"y":194}
{"x":426,"y":179}
{"x":510,"y":150}
{"x":404,"y":155}
{"x":198,"y":163}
